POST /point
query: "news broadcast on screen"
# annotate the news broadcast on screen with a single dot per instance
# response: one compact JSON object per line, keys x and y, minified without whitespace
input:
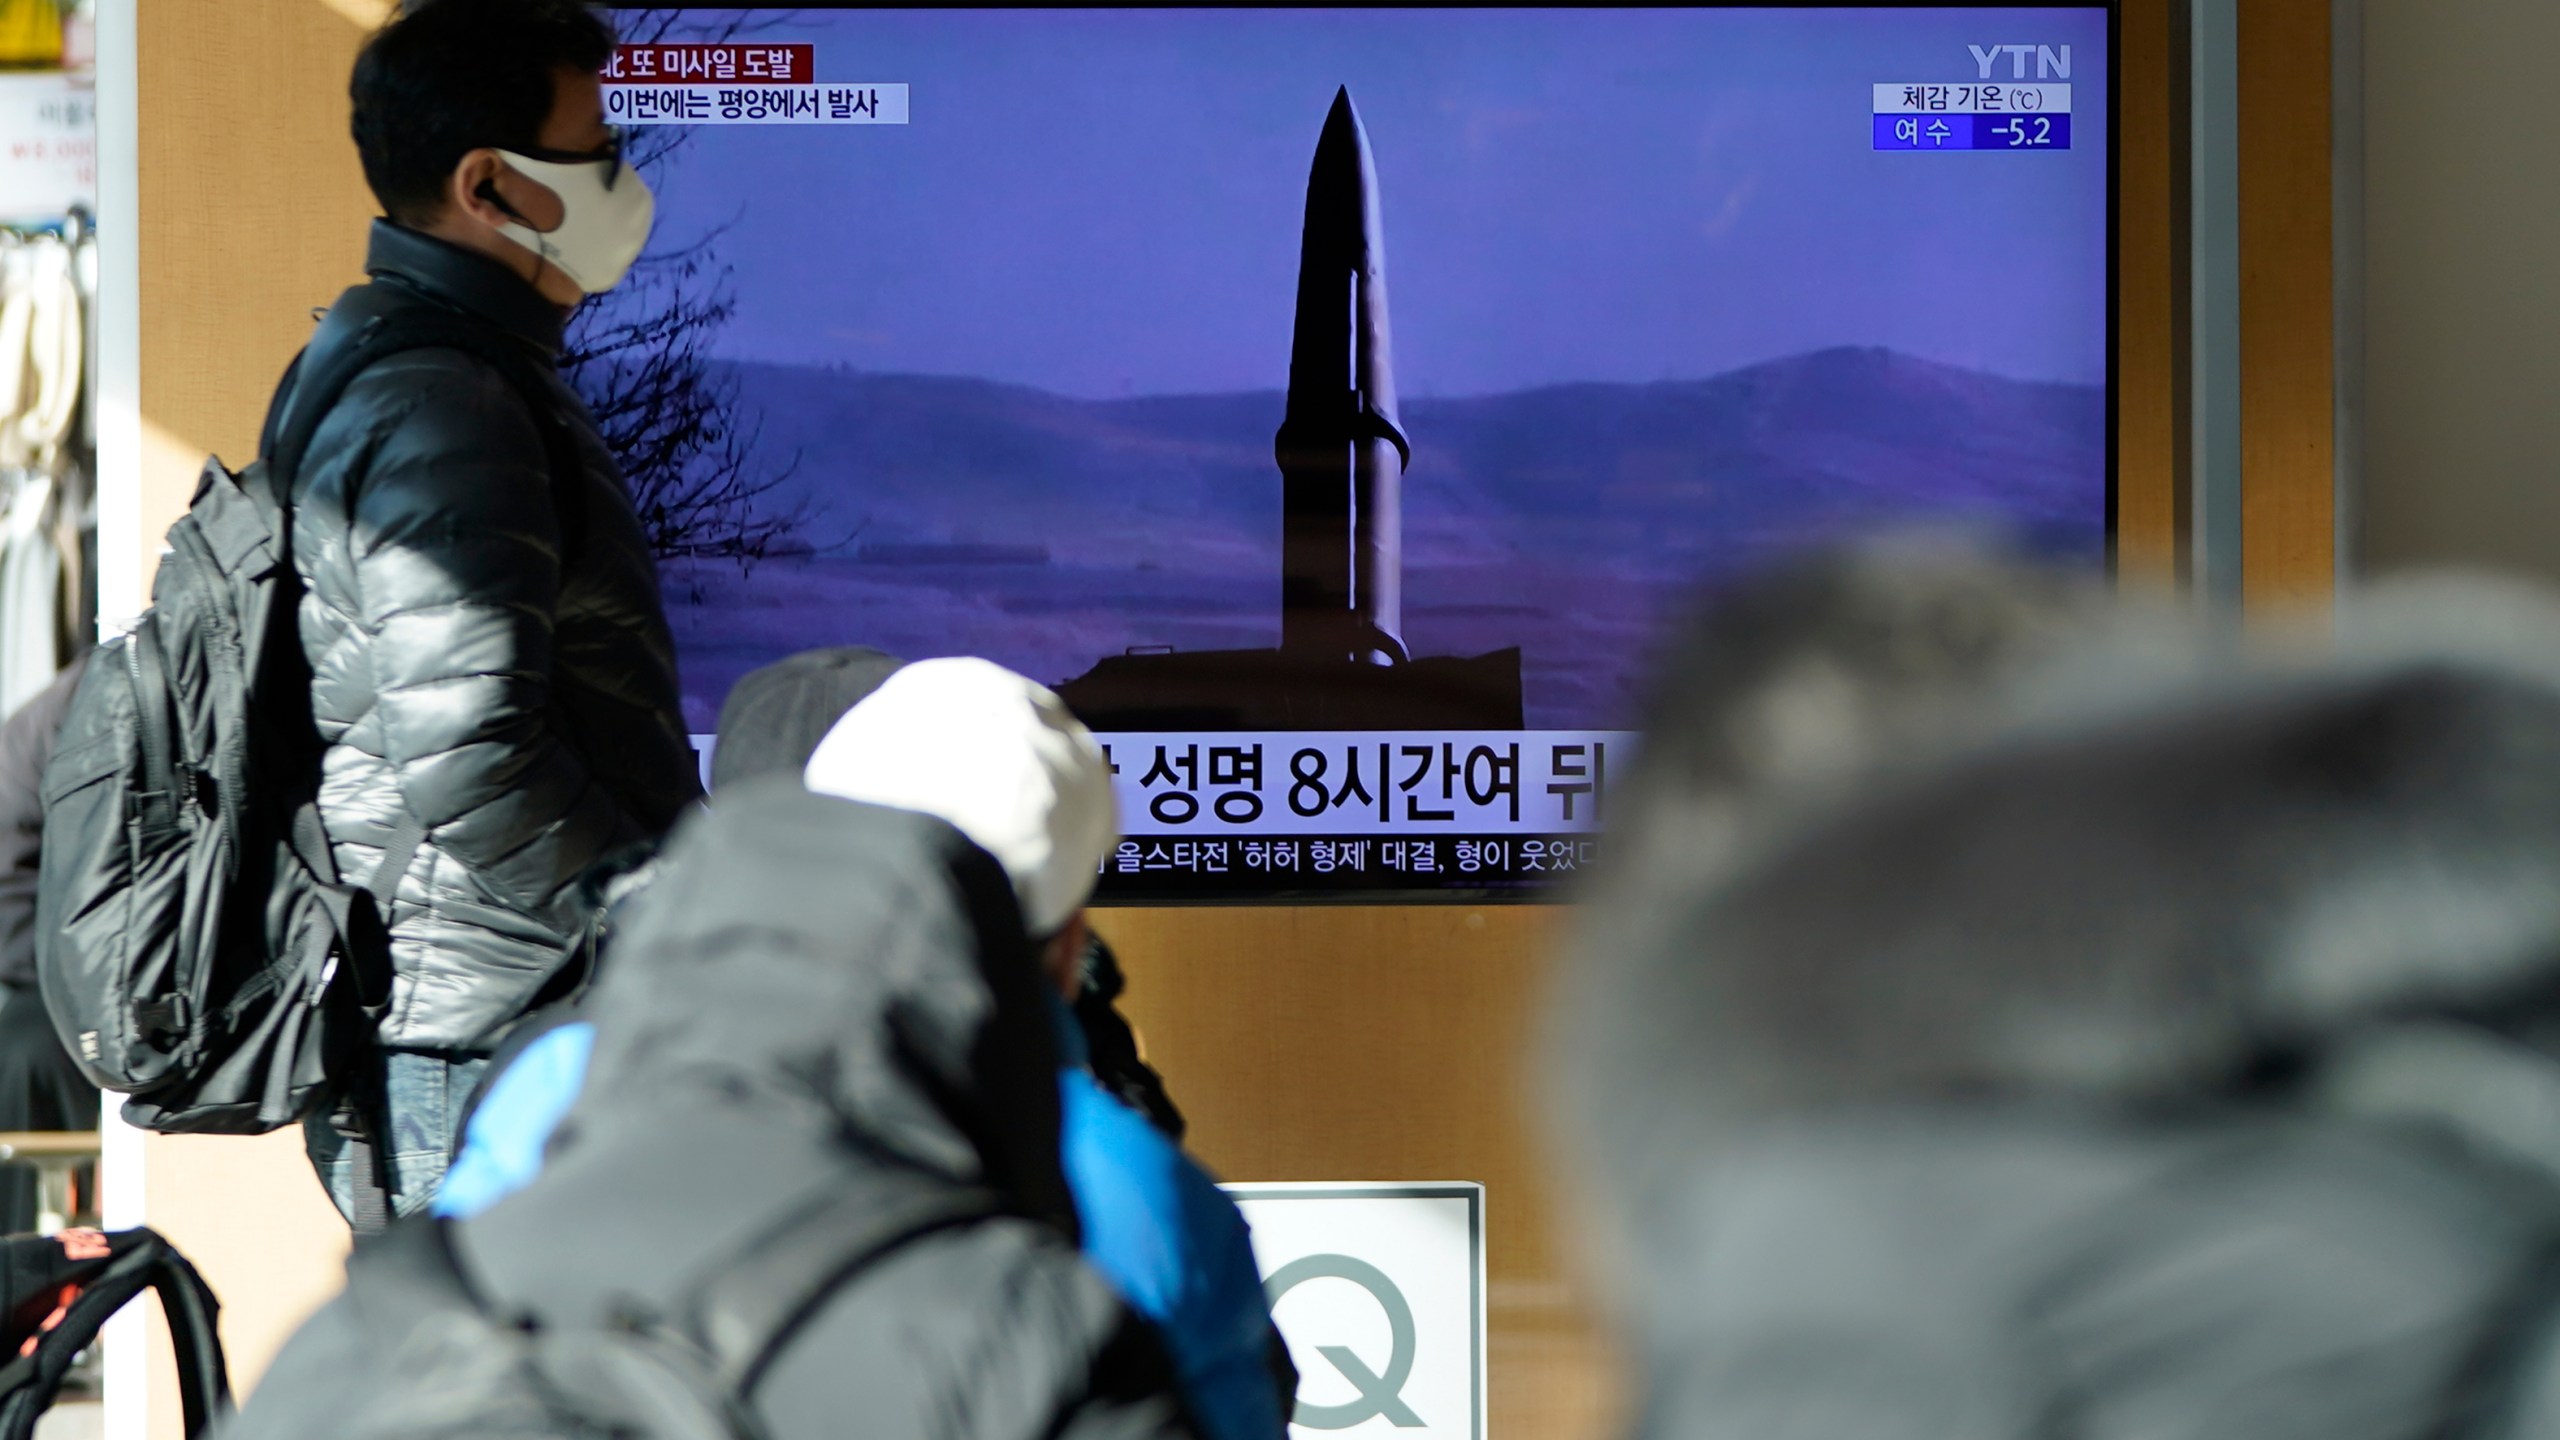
{"x":1336,"y":406}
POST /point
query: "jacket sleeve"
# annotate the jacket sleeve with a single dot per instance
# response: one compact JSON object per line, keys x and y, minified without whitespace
{"x":26,"y":743}
{"x":456,"y":548}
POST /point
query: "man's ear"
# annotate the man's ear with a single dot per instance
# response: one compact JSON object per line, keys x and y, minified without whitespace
{"x":473,"y":189}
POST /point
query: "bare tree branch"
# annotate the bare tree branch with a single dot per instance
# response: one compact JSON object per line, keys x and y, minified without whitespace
{"x":640,"y":357}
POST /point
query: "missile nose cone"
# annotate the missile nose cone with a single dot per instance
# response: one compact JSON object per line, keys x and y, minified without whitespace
{"x":1341,"y":214}
{"x":1342,"y":131}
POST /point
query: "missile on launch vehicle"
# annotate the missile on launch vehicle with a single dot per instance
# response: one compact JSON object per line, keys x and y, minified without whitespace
{"x":1342,"y":661}
{"x":1341,"y":450}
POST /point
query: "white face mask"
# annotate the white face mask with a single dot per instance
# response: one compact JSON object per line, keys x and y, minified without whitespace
{"x":606,"y":211}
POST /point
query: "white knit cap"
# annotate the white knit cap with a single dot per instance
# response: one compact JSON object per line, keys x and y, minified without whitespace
{"x":997,"y":756}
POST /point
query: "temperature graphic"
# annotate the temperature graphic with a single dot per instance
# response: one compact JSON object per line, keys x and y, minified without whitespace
{"x":1973,"y":117}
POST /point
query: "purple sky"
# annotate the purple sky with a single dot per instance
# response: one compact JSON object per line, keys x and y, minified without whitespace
{"x":1105,"y":203}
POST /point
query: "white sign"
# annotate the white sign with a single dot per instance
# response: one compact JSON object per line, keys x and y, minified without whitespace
{"x":48,"y":147}
{"x":1379,"y":1290}
{"x":847,"y":104}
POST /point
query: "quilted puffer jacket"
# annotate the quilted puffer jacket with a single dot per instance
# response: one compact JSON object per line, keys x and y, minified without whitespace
{"x":524,"y":711}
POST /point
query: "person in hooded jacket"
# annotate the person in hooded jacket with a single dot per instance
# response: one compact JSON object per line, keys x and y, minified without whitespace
{"x":999,"y":757}
{"x":770,"y":724}
{"x":745,"y":1068}
{"x":2176,"y":1060}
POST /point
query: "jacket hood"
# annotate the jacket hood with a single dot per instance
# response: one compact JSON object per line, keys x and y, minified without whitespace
{"x":859,"y":972}
{"x":2183,"y":1072}
{"x":2152,"y":907}
{"x":1981,"y":1275}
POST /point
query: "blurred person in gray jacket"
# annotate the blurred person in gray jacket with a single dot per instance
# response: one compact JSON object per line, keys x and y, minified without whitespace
{"x":2174,"y":1058}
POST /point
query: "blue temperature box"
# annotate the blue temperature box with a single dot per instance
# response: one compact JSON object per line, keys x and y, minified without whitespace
{"x":1973,"y":132}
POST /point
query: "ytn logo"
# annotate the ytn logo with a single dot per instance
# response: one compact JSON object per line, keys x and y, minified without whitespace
{"x":2053,"y":62}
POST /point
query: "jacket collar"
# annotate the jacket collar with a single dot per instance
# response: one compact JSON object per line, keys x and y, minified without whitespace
{"x":474,"y":283}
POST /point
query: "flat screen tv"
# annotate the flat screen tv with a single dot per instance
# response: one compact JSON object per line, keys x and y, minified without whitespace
{"x":1337,"y":405}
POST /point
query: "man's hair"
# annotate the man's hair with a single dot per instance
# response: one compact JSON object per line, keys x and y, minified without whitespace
{"x":447,"y":77}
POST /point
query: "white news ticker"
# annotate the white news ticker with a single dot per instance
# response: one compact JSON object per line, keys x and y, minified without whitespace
{"x":1403,"y":784}
{"x":865,"y":103}
{"x":1971,"y":98}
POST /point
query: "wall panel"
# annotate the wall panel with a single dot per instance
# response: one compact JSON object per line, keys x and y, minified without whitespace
{"x":2151,"y":523}
{"x":254,"y":213}
{"x":2288,"y":320}
{"x":2461,"y":297}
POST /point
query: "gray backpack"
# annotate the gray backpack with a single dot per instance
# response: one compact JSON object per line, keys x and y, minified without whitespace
{"x":440,"y":1362}
{"x":195,"y":946}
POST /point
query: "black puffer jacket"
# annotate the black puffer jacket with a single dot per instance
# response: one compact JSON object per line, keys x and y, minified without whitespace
{"x":814,"y":997}
{"x":526,"y":713}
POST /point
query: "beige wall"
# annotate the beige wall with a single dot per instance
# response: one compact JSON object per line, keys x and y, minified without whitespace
{"x":253,"y":212}
{"x":1378,"y":1043}
{"x":2462,"y":285}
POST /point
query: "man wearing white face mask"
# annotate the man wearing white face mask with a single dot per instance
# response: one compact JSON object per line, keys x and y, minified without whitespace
{"x":491,"y":666}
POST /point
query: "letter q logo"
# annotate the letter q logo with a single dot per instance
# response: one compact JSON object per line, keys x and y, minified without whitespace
{"x":1381,"y":1392}
{"x":1384,"y":1287}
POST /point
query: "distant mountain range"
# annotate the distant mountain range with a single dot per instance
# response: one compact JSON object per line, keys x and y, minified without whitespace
{"x":1566,"y":519}
{"x":1848,"y":436}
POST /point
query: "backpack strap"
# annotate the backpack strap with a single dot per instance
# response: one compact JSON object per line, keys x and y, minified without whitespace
{"x":146,"y":1261}
{"x":398,"y":854}
{"x":749,"y":1307}
{"x":276,"y":402}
